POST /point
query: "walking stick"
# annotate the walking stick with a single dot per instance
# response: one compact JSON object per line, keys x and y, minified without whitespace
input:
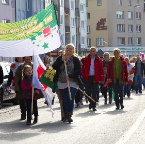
{"x":86,"y":95}
{"x":66,"y":75}
{"x":32,"y":99}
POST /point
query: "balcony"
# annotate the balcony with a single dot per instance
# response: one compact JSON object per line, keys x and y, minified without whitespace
{"x":67,"y":29}
{"x":66,"y":10}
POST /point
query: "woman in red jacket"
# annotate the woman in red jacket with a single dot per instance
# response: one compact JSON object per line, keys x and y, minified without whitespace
{"x":117,"y":74}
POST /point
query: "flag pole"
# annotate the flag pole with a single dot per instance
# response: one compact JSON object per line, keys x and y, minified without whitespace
{"x":66,"y":75}
{"x":32,"y":99}
{"x":58,"y":22}
{"x":86,"y":95}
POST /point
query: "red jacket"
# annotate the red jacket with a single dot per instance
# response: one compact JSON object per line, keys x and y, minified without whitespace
{"x":124,"y":70}
{"x":98,"y":68}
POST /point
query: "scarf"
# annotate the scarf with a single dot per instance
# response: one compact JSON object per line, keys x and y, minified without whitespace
{"x":119,"y":66}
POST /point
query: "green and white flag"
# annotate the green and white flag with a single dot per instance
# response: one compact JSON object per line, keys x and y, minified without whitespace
{"x":38,"y":33}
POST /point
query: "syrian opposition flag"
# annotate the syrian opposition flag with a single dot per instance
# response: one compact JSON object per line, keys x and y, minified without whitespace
{"x":38,"y":69}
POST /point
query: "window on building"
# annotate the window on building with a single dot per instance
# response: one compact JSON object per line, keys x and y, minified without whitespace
{"x":5,"y":21}
{"x":130,"y":41}
{"x":61,"y":2}
{"x":138,"y":28}
{"x":34,"y":4}
{"x":86,"y":3}
{"x":120,"y":14}
{"x":138,"y":41}
{"x":72,"y":5}
{"x":5,"y":2}
{"x":42,"y":5}
{"x":61,"y":19}
{"x":73,"y":22}
{"x":83,"y":40}
{"x":89,"y":42}
{"x":129,"y":2}
{"x":88,"y":16}
{"x":81,"y":7}
{"x":88,"y":29}
{"x":82,"y":24}
{"x":130,"y":28}
{"x":100,"y":41}
{"x":62,"y":39}
{"x":137,"y":2}
{"x":121,"y":41}
{"x":13,"y":4}
{"x":73,"y":39}
{"x":120,"y":28}
{"x":28,"y":5}
{"x":38,"y":6}
{"x":99,"y":2}
{"x":120,"y":2}
{"x":129,"y":15}
{"x":138,"y":15}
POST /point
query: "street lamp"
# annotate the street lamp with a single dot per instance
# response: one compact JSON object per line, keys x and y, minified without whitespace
{"x":135,"y":27}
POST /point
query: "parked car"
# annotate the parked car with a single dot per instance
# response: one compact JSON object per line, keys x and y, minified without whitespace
{"x":6,"y":95}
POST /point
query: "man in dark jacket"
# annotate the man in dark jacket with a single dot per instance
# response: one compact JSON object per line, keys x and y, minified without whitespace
{"x":18,"y":86}
{"x":138,"y":75}
{"x":93,"y":73}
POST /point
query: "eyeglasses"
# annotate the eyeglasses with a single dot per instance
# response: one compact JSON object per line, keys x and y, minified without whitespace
{"x":116,"y":53}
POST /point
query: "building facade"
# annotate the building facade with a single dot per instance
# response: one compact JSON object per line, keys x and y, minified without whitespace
{"x":73,"y":23}
{"x":7,"y":15}
{"x":122,"y":28}
{"x":28,"y":8}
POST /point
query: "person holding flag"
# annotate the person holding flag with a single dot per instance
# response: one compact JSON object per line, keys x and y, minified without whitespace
{"x":27,"y":87}
{"x":119,"y":74}
{"x":73,"y":67}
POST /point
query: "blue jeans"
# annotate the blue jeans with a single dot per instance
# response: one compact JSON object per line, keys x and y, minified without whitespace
{"x":68,"y":104}
{"x":118,"y":89}
{"x":143,"y":82}
{"x":127,"y":89}
{"x":138,"y":83}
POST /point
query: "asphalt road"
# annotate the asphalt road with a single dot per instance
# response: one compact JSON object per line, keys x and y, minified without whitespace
{"x":105,"y":126}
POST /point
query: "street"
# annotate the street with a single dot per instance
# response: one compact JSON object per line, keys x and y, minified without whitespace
{"x":105,"y":126}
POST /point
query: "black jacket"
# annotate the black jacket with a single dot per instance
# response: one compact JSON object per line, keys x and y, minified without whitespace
{"x":142,"y":68}
{"x":77,"y":69}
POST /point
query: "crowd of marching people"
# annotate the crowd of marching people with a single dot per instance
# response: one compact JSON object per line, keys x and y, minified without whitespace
{"x":114,"y":76}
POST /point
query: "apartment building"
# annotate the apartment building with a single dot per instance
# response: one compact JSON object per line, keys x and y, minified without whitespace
{"x":121,"y":27}
{"x":28,"y":8}
{"x":7,"y":15}
{"x":73,"y":23}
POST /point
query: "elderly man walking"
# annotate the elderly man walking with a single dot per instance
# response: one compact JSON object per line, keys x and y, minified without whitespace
{"x":93,"y":73}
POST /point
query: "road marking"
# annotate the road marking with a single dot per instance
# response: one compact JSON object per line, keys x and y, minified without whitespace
{"x":133,"y":128}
